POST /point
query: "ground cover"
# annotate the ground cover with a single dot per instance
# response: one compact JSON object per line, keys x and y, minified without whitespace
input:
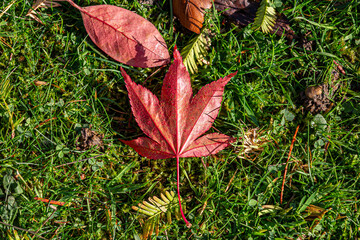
{"x":64,"y":108}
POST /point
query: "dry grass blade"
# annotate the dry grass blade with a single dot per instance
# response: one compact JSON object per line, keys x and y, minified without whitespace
{"x":265,"y":17}
{"x":252,"y":144}
{"x":23,"y":229}
{"x":6,"y":8}
{"x":41,"y":4}
{"x":45,"y":4}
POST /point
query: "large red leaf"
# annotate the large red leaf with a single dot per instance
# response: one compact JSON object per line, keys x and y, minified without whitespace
{"x":176,"y":124}
{"x":125,"y":36}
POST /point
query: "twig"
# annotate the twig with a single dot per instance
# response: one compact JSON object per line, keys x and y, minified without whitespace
{"x":166,"y":235}
{"x":287,"y":162}
{"x":3,"y":41}
{"x":23,"y":229}
{"x":46,"y":121}
{"x":82,"y":160}
{"x":232,"y":179}
{"x":203,"y":208}
{"x":54,"y":208}
{"x":56,"y":86}
{"x":153,"y":74}
{"x":49,"y":201}
{"x":341,"y":69}
{"x":275,"y":165}
{"x":56,"y":232}
{"x":202,"y":161}
{"x":76,"y":101}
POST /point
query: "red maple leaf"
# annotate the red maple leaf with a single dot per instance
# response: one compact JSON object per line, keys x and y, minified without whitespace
{"x":175,"y":124}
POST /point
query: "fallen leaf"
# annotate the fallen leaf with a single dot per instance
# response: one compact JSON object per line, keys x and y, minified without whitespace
{"x":243,"y":12}
{"x":315,"y":212}
{"x":191,"y":13}
{"x":40,"y":83}
{"x":265,"y":17}
{"x":175,"y":124}
{"x":282,"y":27}
{"x":195,"y":51}
{"x":125,"y":36}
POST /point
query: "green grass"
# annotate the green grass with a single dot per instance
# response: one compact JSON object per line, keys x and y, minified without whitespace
{"x":234,"y":197}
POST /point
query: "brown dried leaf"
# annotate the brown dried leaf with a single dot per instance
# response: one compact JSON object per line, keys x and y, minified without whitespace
{"x":282,"y":26}
{"x":191,"y":13}
{"x":315,"y":212}
{"x":243,"y":12}
{"x":240,"y":12}
{"x":40,"y":83}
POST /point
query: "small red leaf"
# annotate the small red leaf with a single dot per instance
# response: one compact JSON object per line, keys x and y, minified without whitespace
{"x":125,"y":36}
{"x":175,"y":124}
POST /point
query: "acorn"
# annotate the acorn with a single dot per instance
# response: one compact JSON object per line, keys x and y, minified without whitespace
{"x":313,"y":91}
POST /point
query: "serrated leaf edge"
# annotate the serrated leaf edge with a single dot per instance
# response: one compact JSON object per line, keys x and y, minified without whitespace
{"x":265,"y":17}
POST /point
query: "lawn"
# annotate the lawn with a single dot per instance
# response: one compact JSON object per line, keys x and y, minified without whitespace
{"x":293,"y":107}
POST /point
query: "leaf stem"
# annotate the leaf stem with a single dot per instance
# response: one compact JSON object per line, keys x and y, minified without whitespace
{"x":75,"y":5}
{"x":178,"y":191}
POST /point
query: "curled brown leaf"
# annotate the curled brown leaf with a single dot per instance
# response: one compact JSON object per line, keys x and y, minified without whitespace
{"x":191,"y":13}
